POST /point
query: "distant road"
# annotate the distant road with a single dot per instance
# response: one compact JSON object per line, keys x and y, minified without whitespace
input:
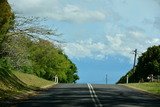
{"x":90,"y":95}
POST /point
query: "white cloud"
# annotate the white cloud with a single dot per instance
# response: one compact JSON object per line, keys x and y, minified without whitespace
{"x":72,"y":12}
{"x":84,"y":49}
{"x":55,"y":10}
{"x":119,"y":44}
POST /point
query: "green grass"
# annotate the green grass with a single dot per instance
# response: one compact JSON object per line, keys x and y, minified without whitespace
{"x":18,"y":83}
{"x":32,"y":80}
{"x":151,"y":87}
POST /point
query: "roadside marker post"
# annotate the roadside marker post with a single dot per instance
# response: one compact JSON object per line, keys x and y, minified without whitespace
{"x":127,"y":79}
{"x":56,"y":79}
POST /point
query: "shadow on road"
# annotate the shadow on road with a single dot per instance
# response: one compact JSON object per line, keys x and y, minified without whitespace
{"x":77,"y":95}
{"x":57,"y":97}
{"x":120,"y":96}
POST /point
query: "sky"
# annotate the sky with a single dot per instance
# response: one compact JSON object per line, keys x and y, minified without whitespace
{"x":99,"y":36}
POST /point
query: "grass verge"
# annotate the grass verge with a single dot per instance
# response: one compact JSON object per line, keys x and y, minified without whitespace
{"x":32,"y":80}
{"x":151,"y":87}
{"x":18,"y":85}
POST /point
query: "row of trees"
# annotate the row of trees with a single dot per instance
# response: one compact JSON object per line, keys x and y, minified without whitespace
{"x":148,"y":63}
{"x":23,"y":49}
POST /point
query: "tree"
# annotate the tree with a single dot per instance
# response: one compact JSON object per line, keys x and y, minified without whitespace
{"x":49,"y":60}
{"x":6,"y":18}
{"x":6,"y":22}
{"x":32,"y":27}
{"x":15,"y":48}
{"x":27,"y":48}
{"x":148,"y":63}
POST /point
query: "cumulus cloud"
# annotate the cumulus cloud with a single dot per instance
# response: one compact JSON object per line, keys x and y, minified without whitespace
{"x":71,"y":12}
{"x":84,"y":49}
{"x":55,"y":10}
{"x":123,"y":44}
{"x":118,"y":44}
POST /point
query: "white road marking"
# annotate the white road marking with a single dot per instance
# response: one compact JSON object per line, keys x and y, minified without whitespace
{"x":94,"y":96}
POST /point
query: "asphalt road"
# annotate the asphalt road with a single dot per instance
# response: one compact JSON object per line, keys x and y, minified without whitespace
{"x":89,"y":95}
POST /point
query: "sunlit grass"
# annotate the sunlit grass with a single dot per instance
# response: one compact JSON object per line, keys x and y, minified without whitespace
{"x":151,"y":87}
{"x":21,"y":83}
{"x":32,"y":80}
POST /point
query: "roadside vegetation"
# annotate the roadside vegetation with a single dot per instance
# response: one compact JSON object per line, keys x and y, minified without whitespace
{"x":32,"y":80}
{"x":150,"y":87}
{"x":147,"y":68}
{"x":27,"y":54}
{"x":18,"y":85}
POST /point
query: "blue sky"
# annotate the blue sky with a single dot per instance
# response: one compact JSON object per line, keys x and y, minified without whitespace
{"x":99,"y":35}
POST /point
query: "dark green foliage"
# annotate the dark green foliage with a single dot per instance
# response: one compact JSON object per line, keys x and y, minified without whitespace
{"x":6,"y":18}
{"x":148,"y":63}
{"x":131,"y":77}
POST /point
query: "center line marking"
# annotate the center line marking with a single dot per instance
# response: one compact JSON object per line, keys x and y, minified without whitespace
{"x":94,"y":96}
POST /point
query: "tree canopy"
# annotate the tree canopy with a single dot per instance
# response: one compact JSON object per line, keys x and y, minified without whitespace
{"x":148,"y":63}
{"x":21,"y":51}
{"x":6,"y":18}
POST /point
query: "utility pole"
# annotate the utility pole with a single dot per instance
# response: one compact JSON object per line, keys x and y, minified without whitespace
{"x":134,"y":64}
{"x":135,"y":57}
{"x":106,"y":79}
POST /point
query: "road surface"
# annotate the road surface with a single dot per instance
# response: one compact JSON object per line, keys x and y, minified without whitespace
{"x":89,"y":95}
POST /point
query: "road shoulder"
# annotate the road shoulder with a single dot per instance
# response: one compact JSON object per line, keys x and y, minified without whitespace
{"x":141,"y":90}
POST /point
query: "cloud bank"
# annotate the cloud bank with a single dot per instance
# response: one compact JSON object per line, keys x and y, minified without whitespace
{"x":54,"y":9}
{"x":123,"y":39}
{"x":118,"y":45}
